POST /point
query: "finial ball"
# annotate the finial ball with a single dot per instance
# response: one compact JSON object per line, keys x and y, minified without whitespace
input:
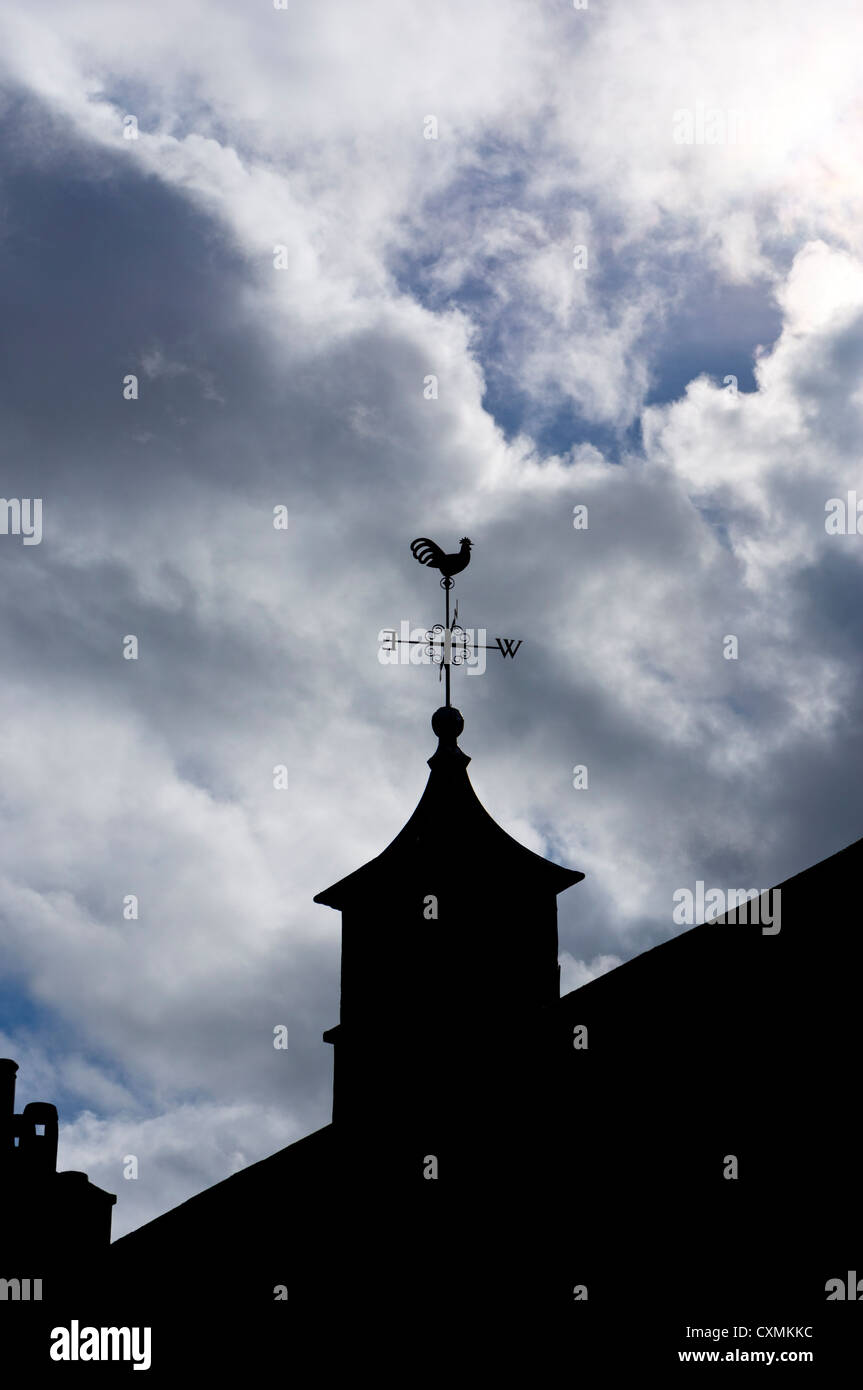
{"x":448,"y":724}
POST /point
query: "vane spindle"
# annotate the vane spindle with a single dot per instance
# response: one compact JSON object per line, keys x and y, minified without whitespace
{"x":428,"y":553}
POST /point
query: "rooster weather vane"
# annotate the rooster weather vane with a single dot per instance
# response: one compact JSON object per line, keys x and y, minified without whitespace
{"x":449,"y":638}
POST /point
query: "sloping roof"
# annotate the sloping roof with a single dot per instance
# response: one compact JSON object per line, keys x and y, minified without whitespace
{"x":730,"y":961}
{"x":449,"y":816}
{"x":250,"y":1196}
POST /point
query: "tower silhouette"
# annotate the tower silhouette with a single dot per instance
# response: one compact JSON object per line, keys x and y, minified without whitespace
{"x":452,"y":924}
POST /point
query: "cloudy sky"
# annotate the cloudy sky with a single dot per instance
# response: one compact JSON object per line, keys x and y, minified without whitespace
{"x":693,"y":375}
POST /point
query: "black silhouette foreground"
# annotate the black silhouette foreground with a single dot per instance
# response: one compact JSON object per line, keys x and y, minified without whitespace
{"x":485,"y":1186}
{"x":509,"y":1174}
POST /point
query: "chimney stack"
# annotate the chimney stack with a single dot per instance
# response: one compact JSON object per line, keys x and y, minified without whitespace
{"x":39,"y":1151}
{"x":8,"y":1068}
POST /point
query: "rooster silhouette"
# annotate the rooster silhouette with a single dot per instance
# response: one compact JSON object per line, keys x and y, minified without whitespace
{"x":430,"y":554}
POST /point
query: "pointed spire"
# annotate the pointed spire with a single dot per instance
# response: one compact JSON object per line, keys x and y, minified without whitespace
{"x":450,"y":821}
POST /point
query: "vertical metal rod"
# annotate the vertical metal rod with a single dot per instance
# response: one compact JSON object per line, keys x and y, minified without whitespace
{"x":446,"y":663}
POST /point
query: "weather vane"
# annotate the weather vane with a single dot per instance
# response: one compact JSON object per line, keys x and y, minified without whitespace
{"x":449,"y":638}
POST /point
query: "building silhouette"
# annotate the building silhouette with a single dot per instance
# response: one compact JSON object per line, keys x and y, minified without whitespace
{"x":510,"y":1173}
{"x":46,"y":1215}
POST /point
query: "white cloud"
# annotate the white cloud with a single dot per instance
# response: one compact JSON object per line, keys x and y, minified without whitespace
{"x":575,"y":973}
